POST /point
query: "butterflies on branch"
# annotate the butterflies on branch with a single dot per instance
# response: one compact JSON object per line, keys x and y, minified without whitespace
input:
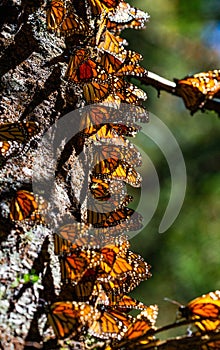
{"x":204,"y":311}
{"x":198,"y":88}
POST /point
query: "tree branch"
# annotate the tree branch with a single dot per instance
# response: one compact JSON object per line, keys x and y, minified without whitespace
{"x":162,"y":84}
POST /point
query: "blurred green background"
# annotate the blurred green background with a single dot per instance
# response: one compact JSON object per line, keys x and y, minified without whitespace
{"x":181,"y":38}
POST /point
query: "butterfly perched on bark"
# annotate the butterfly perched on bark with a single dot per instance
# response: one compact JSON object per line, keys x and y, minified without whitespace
{"x":63,"y":20}
{"x":27,"y":205}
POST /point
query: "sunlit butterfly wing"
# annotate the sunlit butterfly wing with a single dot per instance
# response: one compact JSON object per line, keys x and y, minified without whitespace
{"x":140,"y":267}
{"x":117,"y":270}
{"x":126,"y":303}
{"x":128,"y":92}
{"x":75,"y":264}
{"x":98,"y":6}
{"x":22,"y":205}
{"x":95,"y":91}
{"x":196,"y":89}
{"x":207,"y":82}
{"x":63,"y":20}
{"x":55,"y":14}
{"x":127,"y":173}
{"x":207,"y":307}
{"x":112,"y":45}
{"x":110,"y":62}
{"x":68,"y":318}
{"x":142,"y":324}
{"x":117,"y":287}
{"x":117,"y":170}
{"x":125,"y":16}
{"x":131,"y":70}
{"x":111,"y":324}
{"x":99,"y":189}
{"x":73,"y":24}
{"x":82,"y":68}
{"x":109,"y":219}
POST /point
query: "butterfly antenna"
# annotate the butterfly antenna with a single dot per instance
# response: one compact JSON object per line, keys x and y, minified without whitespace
{"x":173,"y":301}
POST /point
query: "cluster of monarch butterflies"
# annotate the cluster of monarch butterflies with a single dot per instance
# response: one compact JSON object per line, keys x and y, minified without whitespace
{"x":101,"y":63}
{"x":98,"y":270}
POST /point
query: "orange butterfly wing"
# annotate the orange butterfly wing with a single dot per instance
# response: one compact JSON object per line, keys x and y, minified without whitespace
{"x":207,"y":307}
{"x":22,"y":205}
{"x":68,"y":318}
{"x":95,"y":91}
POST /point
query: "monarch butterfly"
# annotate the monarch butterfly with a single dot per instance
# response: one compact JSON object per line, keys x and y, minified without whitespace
{"x":121,"y":269}
{"x":142,"y":324}
{"x":207,"y":82}
{"x":112,"y":45}
{"x":124,"y":303}
{"x":73,"y":266}
{"x":110,"y":324}
{"x":116,"y":28}
{"x":99,"y":188}
{"x":117,"y":270}
{"x":75,"y":240}
{"x":113,"y":261}
{"x":63,"y":20}
{"x":113,"y":134}
{"x":108,"y":219}
{"x":127,"y":303}
{"x":19,"y":132}
{"x":56,"y":13}
{"x":140,"y":268}
{"x":204,"y":311}
{"x":128,"y":92}
{"x":82,"y":68}
{"x":193,"y":98}
{"x":95,"y":91}
{"x":98,"y":6}
{"x":117,"y":287}
{"x":68,"y":318}
{"x":83,"y":291}
{"x":106,"y":205}
{"x":131,"y":70}
{"x":110,"y":62}
{"x":117,"y":170}
{"x":197,"y":88}
{"x":128,"y":67}
{"x":23,"y":205}
{"x":108,"y":157}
